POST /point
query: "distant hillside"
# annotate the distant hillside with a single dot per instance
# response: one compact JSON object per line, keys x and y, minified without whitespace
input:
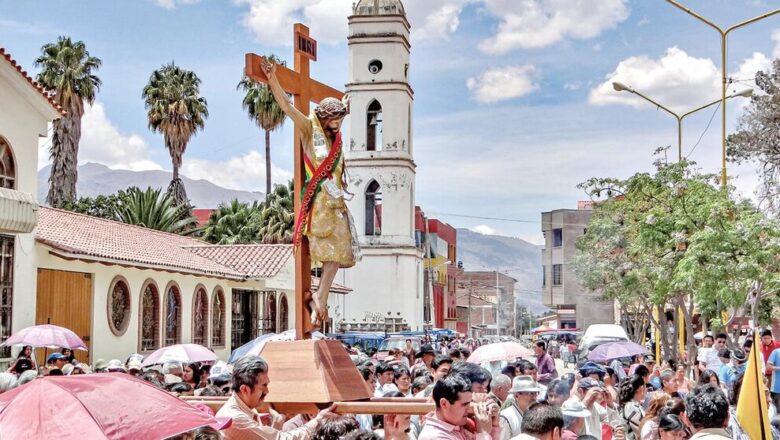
{"x":513,"y":256}
{"x":96,"y":179}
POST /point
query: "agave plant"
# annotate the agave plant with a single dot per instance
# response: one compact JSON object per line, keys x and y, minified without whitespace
{"x":153,"y":209}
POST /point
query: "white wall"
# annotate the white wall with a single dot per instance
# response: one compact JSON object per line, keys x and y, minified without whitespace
{"x":21,"y":124}
{"x":106,"y":345}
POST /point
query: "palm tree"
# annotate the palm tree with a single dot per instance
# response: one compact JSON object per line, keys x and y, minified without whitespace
{"x":263,"y":109}
{"x":67,"y":71}
{"x":232,"y":223}
{"x":154,"y":210}
{"x":175,"y":109}
{"x":277,"y":217}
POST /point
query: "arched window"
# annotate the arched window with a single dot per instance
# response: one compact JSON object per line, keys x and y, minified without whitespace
{"x":7,"y":165}
{"x":373,"y":209}
{"x":172,"y":315}
{"x":270,"y":312}
{"x":150,"y":317}
{"x":283,"y":313}
{"x":218,"y":318}
{"x":118,"y":306}
{"x":200,"y":317}
{"x":374,"y":126}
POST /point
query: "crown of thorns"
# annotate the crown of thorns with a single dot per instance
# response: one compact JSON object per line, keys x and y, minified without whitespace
{"x":331,"y":108}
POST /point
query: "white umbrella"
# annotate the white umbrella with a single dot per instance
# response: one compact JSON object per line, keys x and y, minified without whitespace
{"x":184,"y":353}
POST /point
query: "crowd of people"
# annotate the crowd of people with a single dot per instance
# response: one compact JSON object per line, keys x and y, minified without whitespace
{"x":526,"y":399}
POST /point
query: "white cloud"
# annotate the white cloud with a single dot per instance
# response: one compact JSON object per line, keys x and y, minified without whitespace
{"x":539,"y":23}
{"x":776,"y":39}
{"x":434,"y":20}
{"x":484,"y":230}
{"x":573,"y":85}
{"x":103,"y":143}
{"x":172,"y":4}
{"x":676,"y":80}
{"x":272,"y":20}
{"x":503,"y":83}
{"x":245,"y":172}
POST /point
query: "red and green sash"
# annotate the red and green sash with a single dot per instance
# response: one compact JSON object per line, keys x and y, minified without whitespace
{"x":312,"y":183}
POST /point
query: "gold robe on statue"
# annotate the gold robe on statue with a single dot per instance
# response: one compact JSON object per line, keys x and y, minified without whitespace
{"x":331,"y":231}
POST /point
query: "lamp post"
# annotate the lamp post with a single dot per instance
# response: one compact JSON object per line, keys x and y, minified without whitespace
{"x":724,"y":79}
{"x":620,"y":87}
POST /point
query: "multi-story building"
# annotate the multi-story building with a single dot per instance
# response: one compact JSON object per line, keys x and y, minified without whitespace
{"x":440,"y":241}
{"x":486,"y":303}
{"x":561,"y":290}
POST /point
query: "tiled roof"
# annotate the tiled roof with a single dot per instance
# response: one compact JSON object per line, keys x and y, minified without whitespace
{"x":80,"y":235}
{"x":75,"y":235}
{"x":32,"y":82}
{"x":253,"y":260}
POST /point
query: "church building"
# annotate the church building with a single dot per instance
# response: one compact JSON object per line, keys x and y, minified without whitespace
{"x":388,"y":282}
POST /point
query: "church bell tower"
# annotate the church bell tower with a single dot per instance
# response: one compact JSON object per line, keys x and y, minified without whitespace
{"x":387,"y":283}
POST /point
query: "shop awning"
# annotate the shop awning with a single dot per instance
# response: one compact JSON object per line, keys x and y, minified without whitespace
{"x":18,"y":211}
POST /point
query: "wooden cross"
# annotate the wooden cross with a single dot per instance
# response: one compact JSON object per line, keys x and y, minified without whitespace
{"x":305,"y":90}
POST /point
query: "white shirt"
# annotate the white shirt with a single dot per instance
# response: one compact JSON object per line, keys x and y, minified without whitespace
{"x":713,"y":361}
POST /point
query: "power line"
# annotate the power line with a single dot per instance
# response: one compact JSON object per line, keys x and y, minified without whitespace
{"x":703,"y":132}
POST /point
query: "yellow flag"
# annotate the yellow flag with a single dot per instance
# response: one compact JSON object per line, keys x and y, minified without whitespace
{"x":752,"y":408}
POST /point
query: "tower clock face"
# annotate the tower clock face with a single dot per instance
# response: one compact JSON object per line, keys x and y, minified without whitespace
{"x":375,"y":66}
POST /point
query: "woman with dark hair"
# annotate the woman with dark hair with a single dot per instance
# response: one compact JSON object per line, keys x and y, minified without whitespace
{"x":403,"y":381}
{"x":69,"y":355}
{"x":709,"y":377}
{"x":23,"y":362}
{"x":191,"y":374}
{"x":671,"y":427}
{"x":632,"y":392}
{"x":336,"y":428}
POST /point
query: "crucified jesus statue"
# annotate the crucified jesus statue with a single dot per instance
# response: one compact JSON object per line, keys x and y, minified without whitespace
{"x":323,"y":216}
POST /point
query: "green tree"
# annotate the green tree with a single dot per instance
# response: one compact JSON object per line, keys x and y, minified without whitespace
{"x":277,"y":218}
{"x":233,"y":223}
{"x":68,"y":72}
{"x":672,"y":240}
{"x":99,"y":206}
{"x":262,"y":108}
{"x":175,"y":109}
{"x":154,"y":210}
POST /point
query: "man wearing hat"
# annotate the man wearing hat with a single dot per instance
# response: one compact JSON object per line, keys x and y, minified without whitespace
{"x":588,"y":391}
{"x":424,"y":358}
{"x":592,"y":370}
{"x":574,"y":414}
{"x":55,"y":361}
{"x":525,"y":390}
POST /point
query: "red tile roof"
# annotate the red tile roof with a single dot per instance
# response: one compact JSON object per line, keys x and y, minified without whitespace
{"x":87,"y":237}
{"x":80,"y":236}
{"x":32,"y":82}
{"x":253,"y":260}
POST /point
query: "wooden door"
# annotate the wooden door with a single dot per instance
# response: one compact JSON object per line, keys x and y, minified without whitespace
{"x":65,"y":299}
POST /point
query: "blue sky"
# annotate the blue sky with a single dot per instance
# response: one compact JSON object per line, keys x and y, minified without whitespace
{"x":512,"y":100}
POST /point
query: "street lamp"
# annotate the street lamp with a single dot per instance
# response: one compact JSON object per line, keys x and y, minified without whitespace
{"x":723,"y":52}
{"x":620,"y":87}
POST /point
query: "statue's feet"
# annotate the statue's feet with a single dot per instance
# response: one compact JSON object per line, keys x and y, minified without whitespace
{"x":319,"y":310}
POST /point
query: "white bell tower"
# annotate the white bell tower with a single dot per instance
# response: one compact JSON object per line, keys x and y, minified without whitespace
{"x":387,"y":283}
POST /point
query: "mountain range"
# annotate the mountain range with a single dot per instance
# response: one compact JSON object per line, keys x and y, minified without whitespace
{"x":512,"y":256}
{"x":96,"y":179}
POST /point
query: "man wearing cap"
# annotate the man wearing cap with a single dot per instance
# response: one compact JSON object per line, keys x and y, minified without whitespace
{"x":588,"y":391}
{"x":250,"y":386}
{"x":725,"y":371}
{"x":55,"y":361}
{"x":574,"y":414}
{"x":525,"y":390}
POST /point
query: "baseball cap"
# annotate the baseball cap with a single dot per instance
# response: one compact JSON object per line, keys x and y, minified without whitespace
{"x":220,"y":370}
{"x":588,"y":383}
{"x":134,"y":364}
{"x":55,"y":357}
{"x":574,"y":408}
{"x":591,"y":367}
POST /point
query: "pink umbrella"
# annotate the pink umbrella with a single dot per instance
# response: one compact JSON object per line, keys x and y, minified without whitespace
{"x":499,"y":351}
{"x":47,"y":335}
{"x":95,"y":406}
{"x":184,"y":353}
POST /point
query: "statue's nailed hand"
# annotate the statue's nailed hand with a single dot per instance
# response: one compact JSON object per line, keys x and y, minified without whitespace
{"x":269,"y":68}
{"x":346,"y":100}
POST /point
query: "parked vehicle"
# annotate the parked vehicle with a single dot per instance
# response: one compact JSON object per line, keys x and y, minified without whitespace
{"x":394,"y":342}
{"x":596,"y":335}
